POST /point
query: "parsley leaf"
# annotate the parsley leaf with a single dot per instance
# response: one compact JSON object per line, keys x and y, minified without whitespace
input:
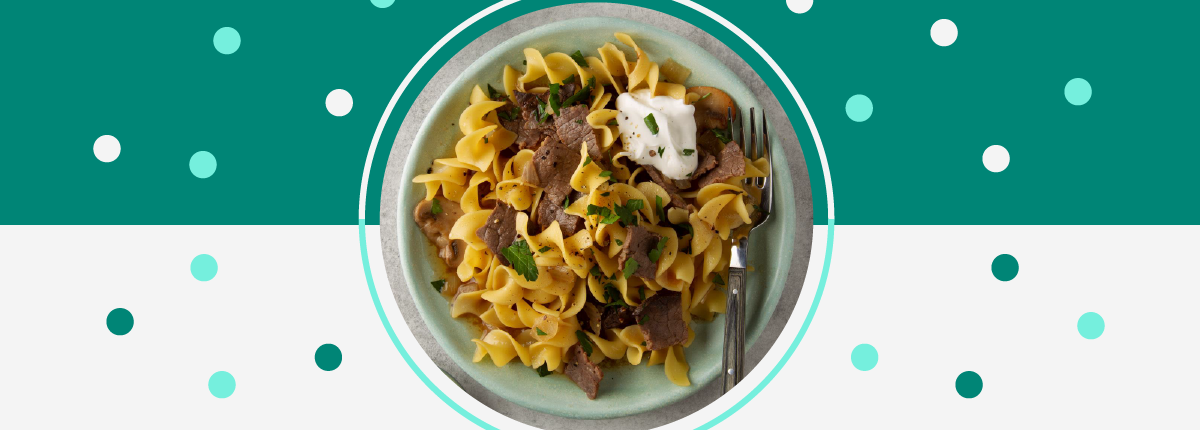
{"x":635,"y":204}
{"x":606,"y":174}
{"x":494,"y":93}
{"x":522,"y":259}
{"x":612,"y":296}
{"x":642,"y":293}
{"x":510,"y":115}
{"x":688,"y":152}
{"x":566,"y":203}
{"x":544,"y":249}
{"x":597,"y":273}
{"x":656,"y":253}
{"x":643,"y":322}
{"x":587,"y":161}
{"x":579,"y":121}
{"x":652,"y":124}
{"x":605,"y":194}
{"x":619,"y":242}
{"x":578,"y":57}
{"x":612,"y":121}
{"x":439,"y":284}
{"x":724,"y":134}
{"x":606,"y":216}
{"x":704,"y":97}
{"x":544,"y":371}
{"x":628,"y":212}
{"x":437,"y":207}
{"x":584,"y":92}
{"x":643,"y":342}
{"x":658,"y":209}
{"x":631,"y":266}
{"x":555,"y":99}
{"x":542,"y":114}
{"x":661,"y":152}
{"x":719,"y":280}
{"x":583,"y":341}
{"x":540,"y":332}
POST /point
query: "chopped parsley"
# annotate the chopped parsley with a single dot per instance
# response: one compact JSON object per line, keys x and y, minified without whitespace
{"x":628,"y":212}
{"x":660,"y":151}
{"x":578,"y":57}
{"x":658,"y":209}
{"x":555,"y":98}
{"x":606,"y":215}
{"x":642,"y":293}
{"x":612,"y":296}
{"x":597,"y":273}
{"x":439,"y":284}
{"x":718,"y":279}
{"x":704,"y":97}
{"x":606,"y":174}
{"x":619,"y":242}
{"x":522,"y":259}
{"x":584,"y":92}
{"x":437,"y":207}
{"x":566,"y":203}
{"x":544,"y":371}
{"x":652,"y":124}
{"x":510,"y":115}
{"x":583,"y":341}
{"x":605,"y":194}
{"x":494,"y":93}
{"x":724,"y":134}
{"x":688,"y":152}
{"x":631,"y":266}
{"x":643,"y":322}
{"x":524,"y":62}
{"x":540,"y":332}
{"x":544,"y":249}
{"x":587,"y":161}
{"x":542,"y":113}
{"x":643,"y":343}
{"x":579,"y":121}
{"x":612,"y":121}
{"x":656,"y":253}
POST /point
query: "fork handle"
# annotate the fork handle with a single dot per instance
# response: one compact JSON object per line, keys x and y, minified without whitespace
{"x":735,"y":329}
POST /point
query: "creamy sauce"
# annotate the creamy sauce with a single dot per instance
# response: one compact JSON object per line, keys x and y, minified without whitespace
{"x":676,"y":132}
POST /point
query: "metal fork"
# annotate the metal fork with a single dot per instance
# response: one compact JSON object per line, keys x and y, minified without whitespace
{"x":735,"y":308}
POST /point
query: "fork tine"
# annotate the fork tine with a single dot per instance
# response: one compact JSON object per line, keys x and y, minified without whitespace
{"x":766,"y":149}
{"x":751,"y":146}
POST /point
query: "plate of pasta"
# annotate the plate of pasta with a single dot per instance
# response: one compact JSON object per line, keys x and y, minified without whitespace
{"x":571,"y":202}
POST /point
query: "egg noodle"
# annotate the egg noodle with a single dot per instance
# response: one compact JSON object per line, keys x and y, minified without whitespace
{"x":536,"y":321}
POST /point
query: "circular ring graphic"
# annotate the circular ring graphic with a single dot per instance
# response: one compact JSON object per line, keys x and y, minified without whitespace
{"x":362,"y":204}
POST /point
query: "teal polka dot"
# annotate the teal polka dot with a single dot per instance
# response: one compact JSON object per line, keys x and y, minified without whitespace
{"x":1078,"y":91}
{"x":204,"y":267}
{"x":119,"y":321}
{"x":328,"y":357}
{"x":864,"y":357}
{"x":1091,"y":325}
{"x":227,"y":40}
{"x":203,"y":164}
{"x":1004,"y":267}
{"x":382,"y":3}
{"x":968,"y":384}
{"x":221,"y":384}
{"x":859,"y":108}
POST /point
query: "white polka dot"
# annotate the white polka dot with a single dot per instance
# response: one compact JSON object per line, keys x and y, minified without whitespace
{"x":799,"y":6}
{"x":944,"y":32}
{"x":339,"y":102}
{"x":106,"y":148}
{"x":995,"y":158}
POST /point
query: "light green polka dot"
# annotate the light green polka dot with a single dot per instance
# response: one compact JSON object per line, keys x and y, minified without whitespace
{"x":221,"y":384}
{"x":1078,"y":91}
{"x":864,"y":357}
{"x":382,"y":3}
{"x":203,"y":164}
{"x":204,"y":267}
{"x":227,"y":40}
{"x":1091,"y":325}
{"x":859,"y":108}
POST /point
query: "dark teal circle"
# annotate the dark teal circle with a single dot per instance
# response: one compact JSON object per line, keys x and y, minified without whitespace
{"x":119,"y":321}
{"x":1004,"y":267}
{"x":968,"y":384}
{"x":328,"y":357}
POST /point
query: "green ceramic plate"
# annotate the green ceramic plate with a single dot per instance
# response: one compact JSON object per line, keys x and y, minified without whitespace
{"x":626,"y":390}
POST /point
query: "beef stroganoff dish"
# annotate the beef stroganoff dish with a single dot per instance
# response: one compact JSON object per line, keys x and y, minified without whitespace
{"x":587,"y":212}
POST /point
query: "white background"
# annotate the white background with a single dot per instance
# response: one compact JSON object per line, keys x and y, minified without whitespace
{"x":923,"y":296}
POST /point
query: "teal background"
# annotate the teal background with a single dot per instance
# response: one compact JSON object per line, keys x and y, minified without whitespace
{"x":148,"y":74}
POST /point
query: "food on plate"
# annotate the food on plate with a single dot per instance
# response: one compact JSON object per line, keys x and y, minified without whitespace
{"x":587,"y":212}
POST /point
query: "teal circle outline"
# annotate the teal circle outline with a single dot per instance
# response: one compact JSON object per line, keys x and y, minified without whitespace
{"x":864,"y":357}
{"x":362,"y":235}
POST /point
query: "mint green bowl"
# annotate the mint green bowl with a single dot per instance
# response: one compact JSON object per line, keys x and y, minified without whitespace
{"x":626,"y":390}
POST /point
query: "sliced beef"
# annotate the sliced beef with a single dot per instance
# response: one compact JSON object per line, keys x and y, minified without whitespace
{"x":548,"y":213}
{"x":437,"y":228}
{"x":583,"y":371}
{"x":500,"y":229}
{"x":661,"y":320}
{"x":617,"y":317}
{"x":552,"y":166}
{"x":574,"y":130}
{"x":667,"y":184}
{"x":708,"y":141}
{"x":638,"y":244}
{"x":707,"y":162}
{"x":730,"y":163}
{"x":530,"y":132}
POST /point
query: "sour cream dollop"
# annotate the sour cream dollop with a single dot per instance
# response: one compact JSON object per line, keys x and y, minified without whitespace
{"x":676,"y":132}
